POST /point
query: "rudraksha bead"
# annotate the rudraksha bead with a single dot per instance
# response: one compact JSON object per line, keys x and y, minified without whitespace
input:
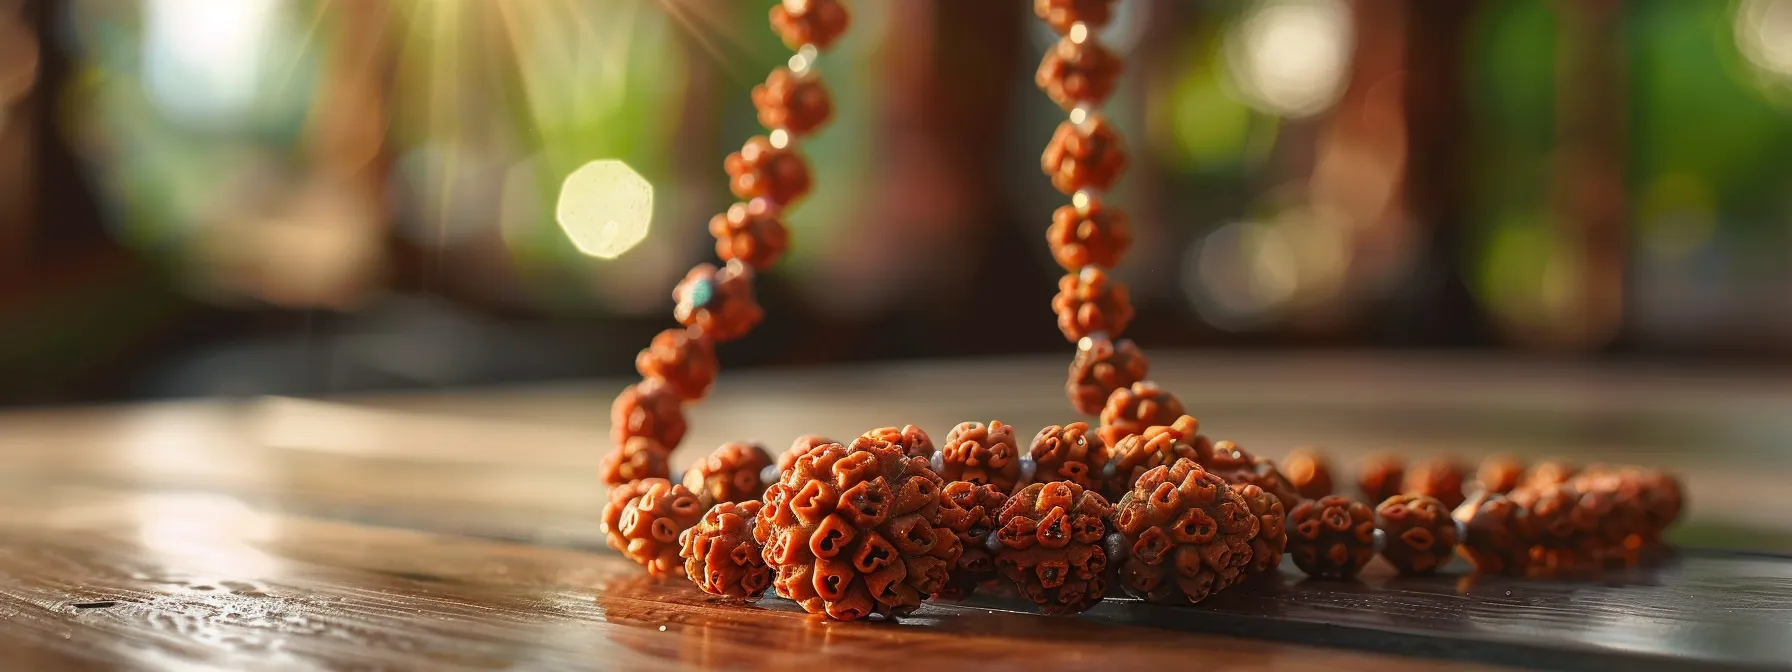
{"x":796,"y":451}
{"x":722,"y":557}
{"x":1100,"y":367}
{"x":980,"y":454}
{"x":1331,"y":537}
{"x":1563,"y":528}
{"x":1499,"y":473}
{"x":1546,"y":473}
{"x":1062,"y":14}
{"x":730,"y":474}
{"x":1051,"y":546}
{"x":638,"y":458}
{"x":1096,"y":236}
{"x":1187,"y":532}
{"x":1084,"y":156}
{"x":684,"y":361}
{"x":1421,"y":535}
{"x":1663,"y":500}
{"x":969,"y":510}
{"x":1069,"y":453}
{"x":1381,"y":477}
{"x":1131,"y":409}
{"x":1497,"y":535}
{"x":651,"y":409}
{"x":1309,"y":473}
{"x":1439,"y":478}
{"x":912,"y":441}
{"x":855,"y":532}
{"x":1240,"y":467}
{"x":644,"y":520}
{"x":1078,"y":73}
{"x":1135,"y":454}
{"x":1271,"y":539}
{"x":1088,"y":302}
{"x":795,"y":103}
{"x":719,"y":303}
{"x":1617,"y":524}
{"x":760,"y":170}
{"x":813,"y":22}
{"x":751,"y":233}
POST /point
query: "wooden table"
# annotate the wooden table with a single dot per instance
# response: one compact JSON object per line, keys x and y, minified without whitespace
{"x":458,"y":530}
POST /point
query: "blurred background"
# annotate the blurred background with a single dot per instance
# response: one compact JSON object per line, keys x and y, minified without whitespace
{"x":242,"y":197}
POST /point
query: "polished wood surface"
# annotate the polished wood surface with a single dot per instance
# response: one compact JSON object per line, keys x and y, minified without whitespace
{"x":458,"y":530}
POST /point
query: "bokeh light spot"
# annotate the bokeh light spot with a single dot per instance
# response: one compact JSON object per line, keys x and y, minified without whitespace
{"x":605,"y":208}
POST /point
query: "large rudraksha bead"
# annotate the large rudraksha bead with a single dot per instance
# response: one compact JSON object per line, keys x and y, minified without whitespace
{"x":1083,"y":156}
{"x":796,"y":103}
{"x":1078,"y":73}
{"x":796,"y":451}
{"x":1089,"y":302}
{"x":970,"y":511}
{"x":730,"y":474}
{"x":1069,"y":453}
{"x":1496,"y":534}
{"x":1331,"y":537}
{"x":1051,"y":546}
{"x":751,"y":233}
{"x":1421,"y":535}
{"x":1131,"y":409}
{"x":1236,"y":465}
{"x":810,"y":22}
{"x":718,"y":303}
{"x":649,"y":409}
{"x":636,"y":459}
{"x":912,"y":441}
{"x":722,"y":557}
{"x":1062,"y":14}
{"x":1381,"y":477}
{"x":980,"y":454}
{"x":1187,"y":532}
{"x":684,"y":361}
{"x":1135,"y":454}
{"x":1102,"y":366}
{"x":644,"y":519}
{"x":761,"y":170}
{"x":1097,"y":235}
{"x":1439,"y":478}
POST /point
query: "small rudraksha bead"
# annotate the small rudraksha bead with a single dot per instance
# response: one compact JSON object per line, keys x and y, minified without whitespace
{"x":1089,"y":302}
{"x":751,"y":233}
{"x":1331,"y":536}
{"x":1083,"y":156}
{"x":980,"y":454}
{"x":969,"y":510}
{"x":796,"y":451}
{"x":912,"y":441}
{"x":1439,"y":478}
{"x":1051,"y":546}
{"x":1271,"y":539}
{"x":1381,"y":477}
{"x":1617,"y":507}
{"x":1496,"y":534}
{"x":1095,"y":236}
{"x":1131,"y":409}
{"x":1100,"y":367}
{"x":1078,"y":73}
{"x":732,"y":473}
{"x":1563,"y":528}
{"x":1135,"y":454}
{"x":1499,"y":473}
{"x":1421,"y":535}
{"x":722,"y":557}
{"x":1309,"y":472}
{"x":1663,"y":499}
{"x":812,"y":22}
{"x":684,"y":361}
{"x":644,"y":520}
{"x":795,"y":103}
{"x":855,"y":532}
{"x":1069,"y":453}
{"x":760,"y":170}
{"x":636,"y":459}
{"x":1062,"y":14}
{"x":1549,"y":472}
{"x":718,"y":303}
{"x":1187,"y":532}
{"x":1239,"y":467}
{"x":651,"y":409}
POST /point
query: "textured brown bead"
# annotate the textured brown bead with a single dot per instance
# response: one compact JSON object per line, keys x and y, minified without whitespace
{"x":1135,"y":454}
{"x":1100,"y":367}
{"x":751,"y":233}
{"x":1062,"y":14}
{"x":796,"y":451}
{"x":853,"y":532}
{"x":1619,"y":501}
{"x":644,"y":519}
{"x":1663,"y":499}
{"x":636,"y":459}
{"x":1078,"y":73}
{"x":1084,"y":156}
{"x":649,"y":409}
{"x":722,"y":557}
{"x":1088,"y":302}
{"x":1421,"y":535}
{"x":1563,"y":526}
{"x":1271,"y":540}
{"x":1381,"y":477}
{"x":1240,"y":467}
{"x":1051,"y":546}
{"x":981,"y":454}
{"x":683,"y":361}
{"x":718,"y":303}
{"x":1097,"y":236}
{"x":798,"y":104}
{"x":1187,"y":532}
{"x":969,"y":510}
{"x":1331,"y":536}
{"x":1131,"y":409}
{"x":1069,"y":453}
{"x":815,"y":22}
{"x":1499,"y":473}
{"x":730,"y":474}
{"x":912,"y":441}
{"x":1309,"y":473}
{"x":1497,"y":535}
{"x":760,"y":170}
{"x":1439,"y":478}
{"x":1549,"y":472}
